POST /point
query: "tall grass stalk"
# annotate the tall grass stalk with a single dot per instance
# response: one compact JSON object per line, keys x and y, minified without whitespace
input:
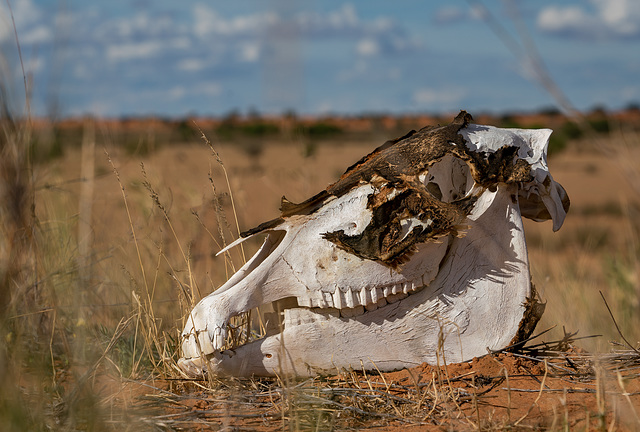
{"x":226,"y":177}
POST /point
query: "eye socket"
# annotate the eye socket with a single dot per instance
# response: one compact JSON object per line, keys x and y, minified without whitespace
{"x":449,"y":179}
{"x":434,"y":190}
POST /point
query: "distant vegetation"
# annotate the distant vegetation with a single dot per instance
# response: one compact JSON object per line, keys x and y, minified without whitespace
{"x":252,"y":131}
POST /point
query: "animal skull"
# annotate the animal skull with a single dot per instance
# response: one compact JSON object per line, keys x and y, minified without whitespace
{"x":416,"y":254}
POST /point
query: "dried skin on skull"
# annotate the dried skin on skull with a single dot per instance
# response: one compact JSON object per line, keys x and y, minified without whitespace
{"x":421,"y":237}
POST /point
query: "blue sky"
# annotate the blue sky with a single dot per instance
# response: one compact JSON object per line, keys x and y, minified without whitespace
{"x":143,"y":57}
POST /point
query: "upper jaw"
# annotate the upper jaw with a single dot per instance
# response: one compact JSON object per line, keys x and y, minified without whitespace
{"x":329,"y":281}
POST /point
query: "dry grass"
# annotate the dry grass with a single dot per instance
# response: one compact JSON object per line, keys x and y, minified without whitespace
{"x":105,"y":253}
{"x":500,"y":392}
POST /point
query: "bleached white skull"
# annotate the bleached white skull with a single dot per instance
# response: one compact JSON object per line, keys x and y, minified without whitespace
{"x":416,"y":254}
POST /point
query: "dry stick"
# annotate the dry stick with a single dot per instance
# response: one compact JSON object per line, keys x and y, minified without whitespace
{"x":600,"y":399}
{"x":120,"y":329}
{"x":135,"y":241}
{"x":139,"y":255}
{"x":150,"y":336}
{"x":126,"y":206}
{"x":197,"y":216}
{"x":536,"y":62}
{"x":226,"y":176}
{"x":544,"y":378}
{"x":523,"y":342}
{"x":415,"y":383}
{"x":506,"y":374}
{"x":588,"y":419}
{"x":24,"y":75}
{"x":156,"y":199}
{"x":441,"y":340}
{"x":222,"y":224}
{"x":144,"y":314}
{"x":364,"y":371}
{"x":387,"y":388}
{"x":435,"y":397}
{"x":155,"y":279}
{"x":235,"y":214}
{"x":476,"y":405}
{"x":151,"y":314}
{"x":53,"y":366}
{"x":527,"y":52}
{"x":626,"y":395}
{"x":616,"y":324}
{"x":135,"y":334}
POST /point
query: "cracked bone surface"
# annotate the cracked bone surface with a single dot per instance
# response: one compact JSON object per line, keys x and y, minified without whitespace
{"x":416,"y":254}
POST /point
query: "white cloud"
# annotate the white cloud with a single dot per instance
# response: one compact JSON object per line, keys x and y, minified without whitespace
{"x":80,"y":71}
{"x":453,"y":14}
{"x":620,"y":16}
{"x":336,"y":23}
{"x":344,"y":17}
{"x":26,"y":15}
{"x":6,"y":29}
{"x":177,"y":92}
{"x":145,"y":49}
{"x":208,"y":22}
{"x":567,"y":19}
{"x":99,"y":108}
{"x":366,"y":70}
{"x":325,"y":107}
{"x":32,"y":66}
{"x":245,"y":34}
{"x":136,"y":26}
{"x":250,"y":52}
{"x":192,"y":65}
{"x":368,"y":47}
{"x":209,"y":89}
{"x":343,"y":23}
{"x":443,"y":98}
{"x":139,"y":50}
{"x":204,"y":18}
{"x":449,"y":14}
{"x":37,"y":35}
{"x":608,"y":19}
{"x":180,"y":43}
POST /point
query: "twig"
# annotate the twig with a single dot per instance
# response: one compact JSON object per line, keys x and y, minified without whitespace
{"x":616,"y":324}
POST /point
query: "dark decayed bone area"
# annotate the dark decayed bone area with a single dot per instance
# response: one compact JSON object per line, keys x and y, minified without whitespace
{"x":395,"y":169}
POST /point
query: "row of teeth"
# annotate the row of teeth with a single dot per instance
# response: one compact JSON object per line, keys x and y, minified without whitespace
{"x":351,"y":302}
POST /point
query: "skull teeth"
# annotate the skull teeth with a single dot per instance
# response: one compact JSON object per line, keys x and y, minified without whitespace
{"x":308,"y":301}
{"x":376,"y":294}
{"x":353,"y":302}
{"x":407,"y":287}
{"x":365,"y":296}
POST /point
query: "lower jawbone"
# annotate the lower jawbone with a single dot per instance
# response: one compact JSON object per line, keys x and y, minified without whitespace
{"x":456,"y":296}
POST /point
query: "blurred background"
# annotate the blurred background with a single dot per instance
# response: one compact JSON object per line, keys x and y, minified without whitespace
{"x":139,"y":57}
{"x":139,"y":137}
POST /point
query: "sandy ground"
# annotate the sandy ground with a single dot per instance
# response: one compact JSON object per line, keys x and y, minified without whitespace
{"x":568,"y":391}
